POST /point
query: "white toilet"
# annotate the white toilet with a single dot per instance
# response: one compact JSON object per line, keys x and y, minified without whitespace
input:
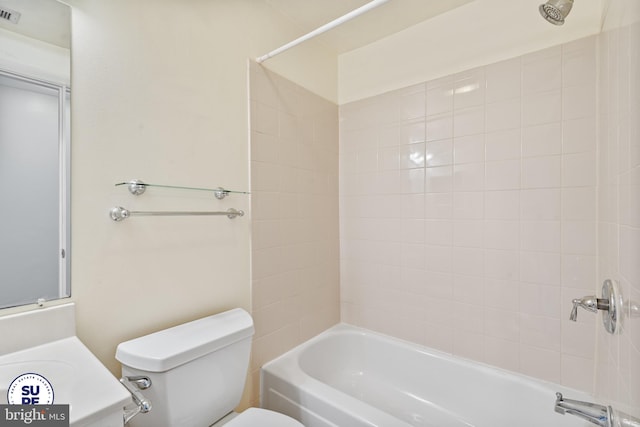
{"x":197,"y":371}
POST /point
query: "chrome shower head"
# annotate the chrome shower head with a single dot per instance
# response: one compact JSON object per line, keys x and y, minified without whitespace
{"x":555,"y":11}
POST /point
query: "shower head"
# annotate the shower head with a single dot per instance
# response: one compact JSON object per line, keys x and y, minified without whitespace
{"x":555,"y":11}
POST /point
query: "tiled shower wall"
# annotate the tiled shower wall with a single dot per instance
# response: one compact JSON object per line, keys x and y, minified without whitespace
{"x":294,"y":208}
{"x":468,"y":213}
{"x":618,"y":367}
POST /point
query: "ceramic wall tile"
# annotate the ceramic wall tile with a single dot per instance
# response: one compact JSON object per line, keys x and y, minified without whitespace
{"x":498,"y":221}
{"x":294,"y":167}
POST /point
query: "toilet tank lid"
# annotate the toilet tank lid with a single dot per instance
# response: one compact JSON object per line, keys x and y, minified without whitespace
{"x":169,"y":348}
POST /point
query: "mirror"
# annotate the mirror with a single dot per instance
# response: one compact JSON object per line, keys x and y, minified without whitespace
{"x":34,"y":151}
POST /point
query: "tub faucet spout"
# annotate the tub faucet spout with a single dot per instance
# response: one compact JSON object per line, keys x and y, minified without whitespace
{"x":592,"y":412}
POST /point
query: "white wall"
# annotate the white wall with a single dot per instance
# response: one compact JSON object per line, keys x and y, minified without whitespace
{"x":160,"y":94}
{"x":479,"y":33}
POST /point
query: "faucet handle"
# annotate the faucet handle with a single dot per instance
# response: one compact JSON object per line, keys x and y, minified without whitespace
{"x":573,"y":317}
{"x":589,"y":303}
{"x":611,"y":304}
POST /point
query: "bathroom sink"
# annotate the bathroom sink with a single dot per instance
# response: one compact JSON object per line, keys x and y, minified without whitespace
{"x":94,"y":395}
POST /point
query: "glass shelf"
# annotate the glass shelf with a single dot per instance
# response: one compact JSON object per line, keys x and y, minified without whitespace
{"x":137,"y":187}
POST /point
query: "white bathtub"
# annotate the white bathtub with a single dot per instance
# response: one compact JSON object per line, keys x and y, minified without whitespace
{"x":352,"y":377}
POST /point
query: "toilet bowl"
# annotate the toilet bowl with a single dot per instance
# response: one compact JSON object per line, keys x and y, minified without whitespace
{"x":197,"y":372}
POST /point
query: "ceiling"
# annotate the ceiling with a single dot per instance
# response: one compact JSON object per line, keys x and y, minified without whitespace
{"x":387,"y":19}
{"x":45,"y":20}
{"x":50,"y":21}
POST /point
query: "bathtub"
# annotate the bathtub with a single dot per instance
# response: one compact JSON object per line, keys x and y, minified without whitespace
{"x":352,"y":377}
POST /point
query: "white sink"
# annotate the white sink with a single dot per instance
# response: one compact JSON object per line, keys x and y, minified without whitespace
{"x":95,"y":396}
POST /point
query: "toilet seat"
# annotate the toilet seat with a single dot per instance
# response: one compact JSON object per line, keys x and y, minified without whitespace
{"x":254,"y":417}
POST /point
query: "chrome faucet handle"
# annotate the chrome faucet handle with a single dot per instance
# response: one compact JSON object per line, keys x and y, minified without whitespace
{"x":589,"y":303}
{"x":611,"y":304}
{"x":574,"y":311}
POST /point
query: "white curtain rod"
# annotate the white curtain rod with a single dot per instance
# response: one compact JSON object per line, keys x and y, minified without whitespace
{"x":326,"y":27}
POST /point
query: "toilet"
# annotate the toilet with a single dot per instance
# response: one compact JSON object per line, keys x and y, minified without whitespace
{"x":197,"y":372}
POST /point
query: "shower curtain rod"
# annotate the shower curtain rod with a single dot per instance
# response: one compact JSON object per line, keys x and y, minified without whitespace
{"x":326,"y":27}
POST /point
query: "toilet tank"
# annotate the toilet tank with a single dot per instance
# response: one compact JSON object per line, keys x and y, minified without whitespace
{"x":197,"y":369}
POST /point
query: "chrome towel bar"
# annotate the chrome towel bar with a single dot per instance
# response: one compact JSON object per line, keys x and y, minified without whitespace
{"x":119,"y":213}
